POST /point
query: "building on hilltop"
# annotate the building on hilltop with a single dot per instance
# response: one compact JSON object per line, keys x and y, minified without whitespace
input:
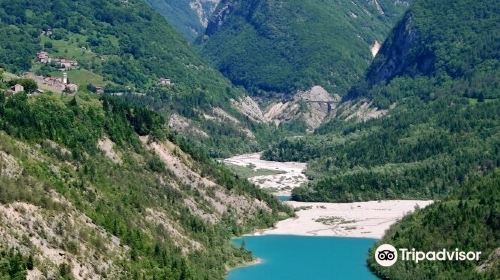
{"x":165,"y":82}
{"x":66,"y":64}
{"x":63,"y":63}
{"x":99,"y":90}
{"x":47,"y":32}
{"x":43,"y":57}
{"x":71,"y":88}
{"x":55,"y":84}
{"x":17,"y":88}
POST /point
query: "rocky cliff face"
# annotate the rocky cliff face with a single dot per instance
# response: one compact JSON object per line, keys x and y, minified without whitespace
{"x":189,"y":17}
{"x":204,"y":9}
{"x":384,"y":6}
{"x":311,"y":107}
{"x":226,"y":8}
{"x":218,"y":17}
{"x":316,"y":106}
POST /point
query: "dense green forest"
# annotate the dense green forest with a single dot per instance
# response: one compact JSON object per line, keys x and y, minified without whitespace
{"x":277,"y":47}
{"x":443,"y":125}
{"x":13,"y":265}
{"x":126,"y":47}
{"x":55,"y":139}
{"x":469,"y":220}
{"x":131,"y":44}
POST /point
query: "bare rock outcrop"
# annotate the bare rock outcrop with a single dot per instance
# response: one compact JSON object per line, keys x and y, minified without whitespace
{"x":248,"y":107}
{"x":107,"y":147}
{"x":312,"y":106}
{"x":9,"y":166}
{"x":203,"y":9}
{"x":183,"y":125}
{"x":214,"y":196}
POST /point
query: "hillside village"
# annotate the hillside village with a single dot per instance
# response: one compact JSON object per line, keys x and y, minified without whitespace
{"x":55,"y":84}
{"x":44,"y":83}
{"x":63,"y":84}
{"x":62,"y":63}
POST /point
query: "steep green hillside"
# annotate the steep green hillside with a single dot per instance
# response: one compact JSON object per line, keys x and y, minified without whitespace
{"x":453,"y":38}
{"x":189,"y":17}
{"x":444,"y":112}
{"x":96,"y":188}
{"x":468,"y":220}
{"x":277,"y":47}
{"x":128,"y":47}
{"x":134,"y":46}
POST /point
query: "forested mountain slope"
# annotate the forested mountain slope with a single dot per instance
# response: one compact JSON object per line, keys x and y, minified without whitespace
{"x":125,"y":47}
{"x":468,"y":220}
{"x":189,"y":17}
{"x":274,"y":48}
{"x":94,"y":188}
{"x":437,"y":74}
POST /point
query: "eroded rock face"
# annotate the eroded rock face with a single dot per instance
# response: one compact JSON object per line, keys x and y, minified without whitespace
{"x":219,"y":115}
{"x":46,"y":234}
{"x":359,"y":111}
{"x":489,"y":264}
{"x":248,"y":107}
{"x":181,"y":124}
{"x":312,"y":106}
{"x":377,"y":6}
{"x":214,"y":197}
{"x":204,"y":9}
{"x":9,"y":166}
{"x":107,"y":147}
{"x":223,"y":10}
{"x":375,"y":47}
{"x":245,"y":8}
{"x":189,"y":17}
{"x":316,"y":106}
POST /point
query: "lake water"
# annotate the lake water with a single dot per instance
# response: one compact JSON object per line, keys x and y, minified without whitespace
{"x":284,"y":198}
{"x":305,"y":258}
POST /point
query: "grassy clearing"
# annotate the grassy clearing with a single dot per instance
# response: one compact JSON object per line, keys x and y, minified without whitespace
{"x":70,"y":48}
{"x":81,"y":77}
{"x":6,"y":76}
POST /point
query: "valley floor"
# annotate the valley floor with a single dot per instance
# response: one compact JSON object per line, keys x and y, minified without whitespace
{"x":360,"y":219}
{"x":290,"y":174}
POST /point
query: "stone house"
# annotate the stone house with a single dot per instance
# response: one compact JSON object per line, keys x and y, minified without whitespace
{"x":17,"y":88}
{"x":43,"y":57}
{"x":164,"y":82}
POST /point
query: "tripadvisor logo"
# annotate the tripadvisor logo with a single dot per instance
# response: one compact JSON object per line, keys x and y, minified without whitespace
{"x":387,"y":255}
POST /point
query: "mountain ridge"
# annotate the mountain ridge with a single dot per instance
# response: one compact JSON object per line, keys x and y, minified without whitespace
{"x":267,"y":46}
{"x":126,"y":48}
{"x":434,"y":119}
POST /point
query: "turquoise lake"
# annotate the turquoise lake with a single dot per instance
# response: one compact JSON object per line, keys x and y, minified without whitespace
{"x":305,"y":258}
{"x":284,"y":198}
